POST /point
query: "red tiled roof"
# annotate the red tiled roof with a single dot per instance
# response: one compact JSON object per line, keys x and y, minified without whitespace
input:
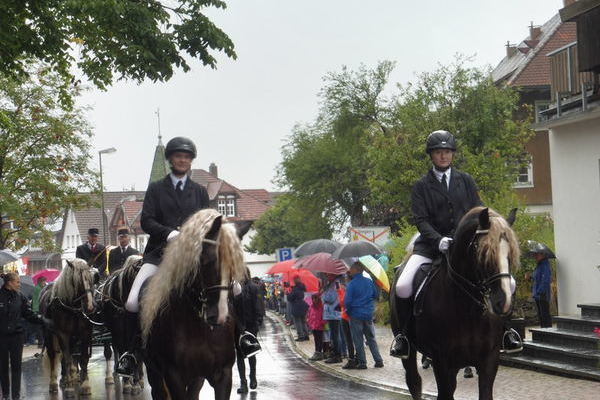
{"x":259,"y":194}
{"x":532,"y":68}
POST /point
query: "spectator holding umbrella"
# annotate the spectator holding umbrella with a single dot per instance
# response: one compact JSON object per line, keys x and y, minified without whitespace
{"x":298,"y":309}
{"x":316,"y":325}
{"x":13,"y":308}
{"x":332,"y":315}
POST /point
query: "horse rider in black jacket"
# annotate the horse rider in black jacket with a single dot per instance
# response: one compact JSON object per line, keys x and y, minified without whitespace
{"x":14,"y":306}
{"x":92,"y":252}
{"x":439,"y":200}
{"x":118,"y":255}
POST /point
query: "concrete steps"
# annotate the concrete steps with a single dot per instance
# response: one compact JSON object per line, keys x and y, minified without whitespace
{"x":570,"y":349}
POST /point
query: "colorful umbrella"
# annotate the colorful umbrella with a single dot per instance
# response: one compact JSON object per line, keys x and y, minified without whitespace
{"x":322,"y":262}
{"x":282,"y":266}
{"x":310,"y":281}
{"x":50,"y":274}
{"x":375,"y":269}
{"x":316,"y":246}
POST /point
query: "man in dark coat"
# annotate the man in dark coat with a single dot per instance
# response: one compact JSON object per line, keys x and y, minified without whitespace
{"x":118,"y":255}
{"x":167,"y":204}
{"x":439,"y":200}
{"x":92,"y":251}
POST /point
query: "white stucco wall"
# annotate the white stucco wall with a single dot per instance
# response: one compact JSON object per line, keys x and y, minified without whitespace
{"x":71,"y":238}
{"x":575,"y":171}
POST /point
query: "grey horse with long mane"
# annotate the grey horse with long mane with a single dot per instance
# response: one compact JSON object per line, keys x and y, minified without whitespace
{"x":66,"y":302}
{"x":186,"y":313}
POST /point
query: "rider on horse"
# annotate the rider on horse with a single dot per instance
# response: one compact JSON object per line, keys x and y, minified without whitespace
{"x":167,"y":204}
{"x":439,"y":200}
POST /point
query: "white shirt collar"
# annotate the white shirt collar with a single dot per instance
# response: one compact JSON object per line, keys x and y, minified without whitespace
{"x":439,"y":174}
{"x":175,"y":179}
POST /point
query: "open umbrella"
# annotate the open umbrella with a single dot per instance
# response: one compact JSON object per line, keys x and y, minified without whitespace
{"x":27,"y":286}
{"x":534,"y":247}
{"x":357,"y":249}
{"x":322,"y":262}
{"x":316,"y":246}
{"x":7,"y":256}
{"x":50,"y":274}
{"x":310,"y":281}
{"x":282,"y":266}
{"x":375,"y":269}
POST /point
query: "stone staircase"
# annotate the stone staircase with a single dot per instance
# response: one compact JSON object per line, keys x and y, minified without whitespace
{"x":570,"y":349}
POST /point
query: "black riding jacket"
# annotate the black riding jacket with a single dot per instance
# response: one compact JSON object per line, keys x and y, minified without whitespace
{"x":436,"y":211}
{"x":116,"y":259}
{"x":163,"y":212}
{"x":14,"y":306}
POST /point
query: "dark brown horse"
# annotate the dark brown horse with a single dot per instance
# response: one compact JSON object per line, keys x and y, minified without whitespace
{"x":66,"y":302}
{"x":186,"y":315}
{"x":123,"y":326}
{"x":464,"y":305}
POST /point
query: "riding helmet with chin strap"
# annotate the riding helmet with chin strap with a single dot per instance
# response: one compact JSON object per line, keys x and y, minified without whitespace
{"x":440,"y":140}
{"x":180,"y":143}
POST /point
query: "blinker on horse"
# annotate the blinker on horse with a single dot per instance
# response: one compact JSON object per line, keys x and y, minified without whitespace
{"x":188,"y":301}
{"x":464,"y":305}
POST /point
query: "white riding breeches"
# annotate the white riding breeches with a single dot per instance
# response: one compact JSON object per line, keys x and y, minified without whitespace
{"x":404,"y":284}
{"x":146,"y":271}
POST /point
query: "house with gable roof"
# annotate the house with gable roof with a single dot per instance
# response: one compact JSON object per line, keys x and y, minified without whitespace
{"x":526,"y":67}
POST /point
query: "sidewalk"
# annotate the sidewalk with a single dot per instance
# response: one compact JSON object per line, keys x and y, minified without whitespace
{"x":510,"y":384}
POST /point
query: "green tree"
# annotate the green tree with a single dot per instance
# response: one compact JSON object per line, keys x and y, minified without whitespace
{"x":44,"y":152}
{"x":103,"y":38}
{"x":288,"y":223}
{"x":326,"y":161}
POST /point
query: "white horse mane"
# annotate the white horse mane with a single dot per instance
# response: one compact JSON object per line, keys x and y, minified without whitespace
{"x":71,"y":278}
{"x":179,"y":265}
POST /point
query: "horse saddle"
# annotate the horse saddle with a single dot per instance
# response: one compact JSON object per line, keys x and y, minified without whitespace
{"x":423,"y":277}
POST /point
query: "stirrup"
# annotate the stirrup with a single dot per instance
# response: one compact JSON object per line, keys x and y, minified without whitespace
{"x":249,"y":344}
{"x":126,"y":365}
{"x":400,"y":347}
{"x":511,"y":342}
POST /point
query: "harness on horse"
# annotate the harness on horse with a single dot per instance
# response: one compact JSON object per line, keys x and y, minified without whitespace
{"x":480,"y":291}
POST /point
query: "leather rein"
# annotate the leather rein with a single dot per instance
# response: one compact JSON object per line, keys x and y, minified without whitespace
{"x":480,"y":291}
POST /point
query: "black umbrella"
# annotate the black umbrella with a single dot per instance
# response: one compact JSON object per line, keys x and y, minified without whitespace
{"x":534,"y":248}
{"x":357,"y":249}
{"x":316,"y":246}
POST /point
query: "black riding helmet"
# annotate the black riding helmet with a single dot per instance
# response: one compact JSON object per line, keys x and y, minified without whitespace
{"x":440,"y":140}
{"x":180,"y":143}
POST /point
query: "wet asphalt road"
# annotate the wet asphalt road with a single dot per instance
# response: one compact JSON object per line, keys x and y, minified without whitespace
{"x":281,"y":376}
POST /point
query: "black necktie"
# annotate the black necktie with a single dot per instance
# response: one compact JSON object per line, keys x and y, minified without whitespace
{"x":123,"y":250}
{"x":444,"y":182}
{"x":179,"y":188}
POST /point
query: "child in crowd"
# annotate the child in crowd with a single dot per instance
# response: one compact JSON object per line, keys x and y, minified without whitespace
{"x":315,"y":322}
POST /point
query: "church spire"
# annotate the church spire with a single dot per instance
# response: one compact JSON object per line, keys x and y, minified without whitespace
{"x":160,"y":167}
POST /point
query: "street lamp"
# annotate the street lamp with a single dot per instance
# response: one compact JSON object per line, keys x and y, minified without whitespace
{"x":103,"y":214}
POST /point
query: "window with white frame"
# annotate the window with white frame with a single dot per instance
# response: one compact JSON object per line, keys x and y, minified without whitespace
{"x":540,"y":105}
{"x":525,"y":176}
{"x":230,"y":206}
{"x":222,"y":205}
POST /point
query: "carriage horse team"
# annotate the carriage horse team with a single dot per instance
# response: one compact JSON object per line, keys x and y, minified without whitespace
{"x":171,"y":309}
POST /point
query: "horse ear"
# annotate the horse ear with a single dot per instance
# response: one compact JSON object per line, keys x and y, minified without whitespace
{"x":242,"y":227}
{"x":216,"y":226}
{"x":512,"y":216}
{"x":484,"y":218}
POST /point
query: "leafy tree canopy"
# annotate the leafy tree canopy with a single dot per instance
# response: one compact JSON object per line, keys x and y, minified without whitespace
{"x":44,"y":153}
{"x":103,"y":38}
{"x":290,"y":222}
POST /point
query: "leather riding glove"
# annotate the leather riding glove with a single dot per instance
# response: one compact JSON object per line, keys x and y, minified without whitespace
{"x":444,"y":244}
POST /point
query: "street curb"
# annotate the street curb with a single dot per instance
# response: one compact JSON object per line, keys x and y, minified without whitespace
{"x":334,"y":371}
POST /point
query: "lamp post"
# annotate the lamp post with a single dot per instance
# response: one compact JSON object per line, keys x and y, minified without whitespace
{"x":103,"y":215}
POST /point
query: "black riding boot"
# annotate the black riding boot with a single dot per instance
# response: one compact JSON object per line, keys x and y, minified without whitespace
{"x":400,"y":347}
{"x":511,"y":341}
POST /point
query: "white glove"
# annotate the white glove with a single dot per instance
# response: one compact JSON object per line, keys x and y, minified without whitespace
{"x":444,"y":244}
{"x":172,"y":235}
{"x":237,"y":288}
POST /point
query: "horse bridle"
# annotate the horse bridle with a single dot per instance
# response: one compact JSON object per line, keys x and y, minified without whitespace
{"x":482,"y":288}
{"x":204,"y":291}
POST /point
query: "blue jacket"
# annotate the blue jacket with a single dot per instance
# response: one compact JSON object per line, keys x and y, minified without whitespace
{"x":331,"y":303}
{"x":296,"y":299}
{"x":360,"y":298}
{"x":541,"y":280}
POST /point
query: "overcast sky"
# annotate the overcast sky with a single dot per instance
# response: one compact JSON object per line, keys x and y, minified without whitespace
{"x":239,"y":114}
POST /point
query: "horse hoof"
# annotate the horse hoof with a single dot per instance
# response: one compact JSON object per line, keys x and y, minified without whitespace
{"x":69,"y":392}
{"x":85,"y":391}
{"x":126,"y":389}
{"x":135,"y":390}
{"x":109,"y":380}
{"x":53,"y":388}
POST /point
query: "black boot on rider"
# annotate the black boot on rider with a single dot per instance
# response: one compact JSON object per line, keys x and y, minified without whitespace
{"x":400,"y":347}
{"x":249,"y":344}
{"x":126,"y":365}
{"x":511,"y":342}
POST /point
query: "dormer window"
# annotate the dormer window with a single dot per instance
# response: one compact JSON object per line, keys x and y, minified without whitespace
{"x":226,"y":205}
